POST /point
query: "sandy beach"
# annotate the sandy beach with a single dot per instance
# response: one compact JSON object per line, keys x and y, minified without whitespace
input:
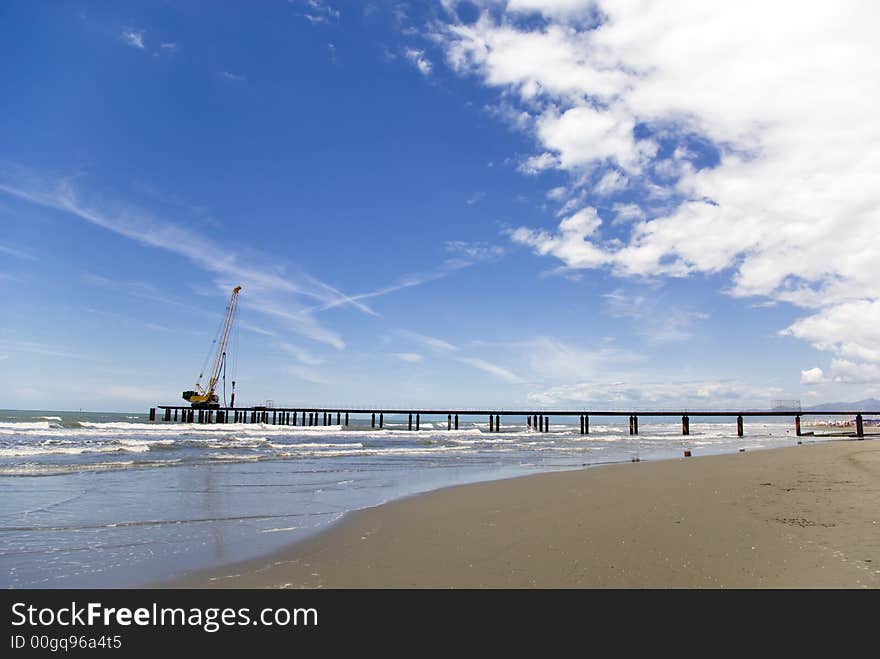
{"x":799,"y":517}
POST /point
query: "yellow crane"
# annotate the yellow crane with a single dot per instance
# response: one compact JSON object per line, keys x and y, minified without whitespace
{"x":203,"y":395}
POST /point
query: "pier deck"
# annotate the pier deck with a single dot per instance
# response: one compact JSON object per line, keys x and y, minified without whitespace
{"x":538,"y":420}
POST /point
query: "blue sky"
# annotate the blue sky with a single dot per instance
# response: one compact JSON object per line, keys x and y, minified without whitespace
{"x":434,"y":203}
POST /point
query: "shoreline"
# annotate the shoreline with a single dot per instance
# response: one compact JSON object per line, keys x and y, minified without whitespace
{"x":803,"y":516}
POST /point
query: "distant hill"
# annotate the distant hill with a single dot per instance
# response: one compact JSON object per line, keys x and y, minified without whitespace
{"x":871,"y":404}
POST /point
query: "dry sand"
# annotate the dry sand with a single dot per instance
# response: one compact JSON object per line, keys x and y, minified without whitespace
{"x":805,"y":516}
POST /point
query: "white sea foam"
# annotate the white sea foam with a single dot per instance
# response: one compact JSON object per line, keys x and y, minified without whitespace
{"x":24,"y":425}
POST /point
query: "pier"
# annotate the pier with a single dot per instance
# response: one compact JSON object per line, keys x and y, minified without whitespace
{"x":535,"y":420}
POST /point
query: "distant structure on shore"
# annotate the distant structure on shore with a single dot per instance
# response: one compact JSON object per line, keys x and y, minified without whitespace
{"x":787,"y":406}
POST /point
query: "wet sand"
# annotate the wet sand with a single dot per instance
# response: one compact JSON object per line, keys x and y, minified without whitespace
{"x":800,"y":517}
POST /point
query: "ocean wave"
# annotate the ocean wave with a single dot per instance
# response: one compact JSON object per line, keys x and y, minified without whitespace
{"x":24,"y":425}
{"x":38,"y":469}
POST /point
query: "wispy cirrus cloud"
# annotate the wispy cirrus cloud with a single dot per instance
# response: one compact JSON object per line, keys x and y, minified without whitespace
{"x":269,"y":291}
{"x":17,"y":253}
{"x":492,"y":369}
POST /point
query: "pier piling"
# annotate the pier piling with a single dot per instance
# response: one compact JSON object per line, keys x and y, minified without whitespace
{"x":167,"y":414}
{"x":456,"y":421}
{"x":685,"y":425}
{"x":410,"y":420}
{"x":373,"y":420}
{"x":797,"y":426}
{"x":381,"y":420}
{"x":418,"y":421}
{"x":449,"y":422}
{"x":491,"y":422}
{"x":860,"y":427}
{"x":346,"y":419}
{"x":739,"y":426}
{"x":497,"y":423}
{"x":152,"y":414}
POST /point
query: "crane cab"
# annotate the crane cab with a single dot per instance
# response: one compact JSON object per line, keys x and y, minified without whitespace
{"x":198,"y":400}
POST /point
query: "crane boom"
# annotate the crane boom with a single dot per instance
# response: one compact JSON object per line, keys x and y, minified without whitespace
{"x":204,"y":395}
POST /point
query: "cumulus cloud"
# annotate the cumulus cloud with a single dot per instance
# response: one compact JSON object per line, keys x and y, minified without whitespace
{"x":812,"y":376}
{"x":782,"y":95}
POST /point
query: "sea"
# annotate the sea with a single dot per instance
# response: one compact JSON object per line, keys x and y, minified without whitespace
{"x":98,"y":500}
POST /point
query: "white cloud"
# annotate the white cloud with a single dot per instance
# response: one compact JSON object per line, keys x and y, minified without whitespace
{"x":784,"y":93}
{"x":309,"y":375}
{"x":660,"y":395}
{"x":301,"y":354}
{"x":409,"y":357}
{"x":169,"y":47}
{"x":429,"y":341}
{"x":849,"y":329}
{"x":611,"y":181}
{"x":491,"y":369}
{"x":227,"y":75}
{"x":652,"y":316}
{"x":812,"y":376}
{"x":843,"y":370}
{"x":133,"y":38}
{"x":17,"y":253}
{"x":570,"y":244}
{"x":627,"y":213}
{"x":418,"y":59}
{"x":557,"y":194}
{"x":537,"y":164}
{"x":267,"y":290}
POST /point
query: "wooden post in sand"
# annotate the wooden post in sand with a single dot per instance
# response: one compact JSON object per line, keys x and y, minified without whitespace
{"x":739,"y":426}
{"x":685,"y":425}
{"x":860,"y":427}
{"x":797,"y":426}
